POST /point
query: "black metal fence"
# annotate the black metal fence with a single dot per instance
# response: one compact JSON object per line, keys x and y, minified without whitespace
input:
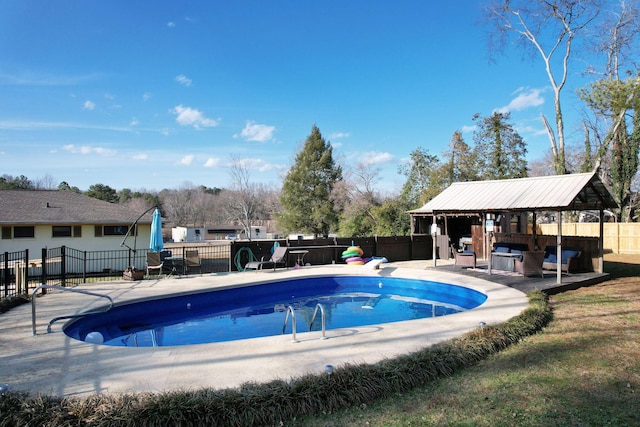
{"x":21,"y":272}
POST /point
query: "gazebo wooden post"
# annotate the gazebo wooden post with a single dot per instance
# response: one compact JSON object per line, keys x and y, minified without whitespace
{"x":434,"y":234}
{"x":534,"y":230}
{"x":601,"y":243}
{"x":559,"y":250}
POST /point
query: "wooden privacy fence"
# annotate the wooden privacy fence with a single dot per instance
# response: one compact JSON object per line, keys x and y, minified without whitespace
{"x":327,"y":251}
{"x":618,"y":237}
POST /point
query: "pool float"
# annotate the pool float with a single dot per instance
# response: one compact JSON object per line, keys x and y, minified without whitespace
{"x":352,"y":251}
{"x":355,"y":261}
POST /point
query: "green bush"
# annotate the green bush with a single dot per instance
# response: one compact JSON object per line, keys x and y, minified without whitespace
{"x":7,"y":304}
{"x":279,"y":401}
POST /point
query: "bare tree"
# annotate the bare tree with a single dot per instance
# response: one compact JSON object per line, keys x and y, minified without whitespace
{"x":47,"y":182}
{"x":549,"y":27}
{"x":186,"y":205}
{"x":242,"y":202}
{"x":356,"y":198}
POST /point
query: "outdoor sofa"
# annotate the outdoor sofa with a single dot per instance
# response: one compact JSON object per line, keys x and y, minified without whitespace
{"x":568,"y":262}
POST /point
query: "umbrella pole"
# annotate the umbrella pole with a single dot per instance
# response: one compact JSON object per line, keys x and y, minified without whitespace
{"x":135,"y":237}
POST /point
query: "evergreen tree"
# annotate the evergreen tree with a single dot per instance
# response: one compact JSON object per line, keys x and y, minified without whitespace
{"x":393,"y":219}
{"x":8,"y":182}
{"x":460,"y":164}
{"x":423,"y":182}
{"x":64,"y":186}
{"x":306,"y":190}
{"x":616,"y":100}
{"x":500,"y":151}
{"x":102,"y":192}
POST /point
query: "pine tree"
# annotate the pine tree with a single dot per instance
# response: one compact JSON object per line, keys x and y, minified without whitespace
{"x":499,"y":149}
{"x":306,"y":190}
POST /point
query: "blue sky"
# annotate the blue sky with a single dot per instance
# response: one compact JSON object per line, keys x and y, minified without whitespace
{"x":153,"y":95}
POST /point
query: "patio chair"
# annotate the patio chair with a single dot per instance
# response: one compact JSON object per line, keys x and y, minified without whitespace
{"x":278,"y":257}
{"x":530,"y":264}
{"x":192,"y":260}
{"x":154,"y":262}
{"x":464,"y":259}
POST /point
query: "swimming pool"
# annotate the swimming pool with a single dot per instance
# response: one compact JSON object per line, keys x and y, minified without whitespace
{"x":260,"y":310}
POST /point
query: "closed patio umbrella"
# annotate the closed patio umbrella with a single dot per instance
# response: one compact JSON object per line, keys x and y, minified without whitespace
{"x":155,"y":244}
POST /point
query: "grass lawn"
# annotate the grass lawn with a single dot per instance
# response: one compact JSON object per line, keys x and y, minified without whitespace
{"x":582,"y":370}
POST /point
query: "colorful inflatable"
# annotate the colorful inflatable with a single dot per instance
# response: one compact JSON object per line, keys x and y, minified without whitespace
{"x":353,"y":256}
{"x":352,"y":251}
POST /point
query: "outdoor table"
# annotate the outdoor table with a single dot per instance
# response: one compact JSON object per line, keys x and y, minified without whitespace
{"x":299,"y":256}
{"x":504,"y":261}
{"x":177,"y":264}
{"x":309,"y":248}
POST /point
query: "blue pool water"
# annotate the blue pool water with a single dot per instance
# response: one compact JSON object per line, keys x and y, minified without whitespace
{"x":260,"y":310}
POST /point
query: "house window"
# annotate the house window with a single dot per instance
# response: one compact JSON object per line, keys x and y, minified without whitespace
{"x":77,"y":231}
{"x":61,"y":231}
{"x":6,"y":232}
{"x":115,"y":230}
{"x":23,"y":232}
{"x":98,"y":231}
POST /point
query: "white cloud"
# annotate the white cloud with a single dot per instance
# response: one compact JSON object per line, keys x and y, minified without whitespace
{"x":259,"y":165}
{"x":183,"y":80}
{"x":86,"y":149}
{"x":186,"y":160}
{"x":468,"y":128}
{"x":256,"y":132}
{"x":212,"y":162}
{"x":171,"y":24}
{"x":146,"y":96}
{"x":187,"y":116}
{"x":88,"y":105}
{"x":526,"y":98}
{"x":141,"y":156}
{"x":109,"y":96}
{"x":337,"y":135}
{"x":376,"y":158}
{"x":134,"y":122}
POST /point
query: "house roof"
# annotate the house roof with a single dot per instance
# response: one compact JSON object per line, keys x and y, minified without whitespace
{"x":62,"y":207}
{"x":581,"y":191}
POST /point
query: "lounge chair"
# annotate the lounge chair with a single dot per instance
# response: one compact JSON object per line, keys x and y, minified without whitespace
{"x":154,"y":262}
{"x":278,"y":257}
{"x":192,"y":260}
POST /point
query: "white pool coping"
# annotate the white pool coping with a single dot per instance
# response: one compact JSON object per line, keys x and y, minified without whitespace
{"x":54,"y":364}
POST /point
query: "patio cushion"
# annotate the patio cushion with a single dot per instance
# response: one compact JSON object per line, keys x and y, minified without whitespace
{"x":568,"y":253}
{"x":503,"y":249}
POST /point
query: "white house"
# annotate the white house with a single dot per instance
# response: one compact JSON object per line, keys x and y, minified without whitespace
{"x":36,"y":219}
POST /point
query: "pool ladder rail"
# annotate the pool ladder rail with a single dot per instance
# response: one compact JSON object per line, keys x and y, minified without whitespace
{"x":292,"y":311}
{"x":71,"y":316}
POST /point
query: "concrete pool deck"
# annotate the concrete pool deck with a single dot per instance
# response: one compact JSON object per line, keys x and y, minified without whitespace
{"x":54,"y":364}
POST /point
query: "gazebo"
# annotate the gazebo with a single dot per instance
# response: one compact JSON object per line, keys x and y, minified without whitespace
{"x":508,"y":202}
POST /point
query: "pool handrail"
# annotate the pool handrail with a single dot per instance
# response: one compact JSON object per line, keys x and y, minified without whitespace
{"x":291,"y":310}
{"x":313,"y":318}
{"x":72,"y":316}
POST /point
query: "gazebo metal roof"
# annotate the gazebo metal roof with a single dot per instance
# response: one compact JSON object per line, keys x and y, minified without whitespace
{"x":583,"y":191}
